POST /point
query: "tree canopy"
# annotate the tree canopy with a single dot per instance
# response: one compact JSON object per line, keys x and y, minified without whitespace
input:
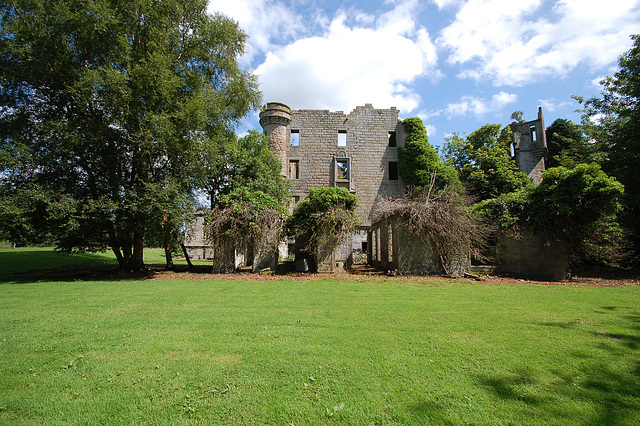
{"x":106,"y":105}
{"x":484,"y":162}
{"x":419,"y":164}
{"x":613,"y":121}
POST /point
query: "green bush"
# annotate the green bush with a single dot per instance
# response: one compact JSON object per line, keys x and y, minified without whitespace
{"x":419,"y":164}
{"x":324,"y":210}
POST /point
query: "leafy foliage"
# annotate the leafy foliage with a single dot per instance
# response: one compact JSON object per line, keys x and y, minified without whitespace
{"x":574,"y":205}
{"x":246,"y":162}
{"x":613,"y":120}
{"x":484,"y":162}
{"x":328,"y":211}
{"x":108,"y":104}
{"x":568,"y":146}
{"x":419,"y":164}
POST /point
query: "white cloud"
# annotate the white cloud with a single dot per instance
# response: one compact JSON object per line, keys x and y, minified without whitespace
{"x":473,"y":105}
{"x":353,"y":63}
{"x":552,"y":104}
{"x":510,"y":43}
{"x":262,"y":20}
{"x":447,"y":3}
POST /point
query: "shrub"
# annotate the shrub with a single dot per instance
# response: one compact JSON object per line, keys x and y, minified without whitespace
{"x":324,"y":210}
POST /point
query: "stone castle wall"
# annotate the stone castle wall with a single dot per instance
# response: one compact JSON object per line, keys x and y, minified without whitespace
{"x":313,"y":162}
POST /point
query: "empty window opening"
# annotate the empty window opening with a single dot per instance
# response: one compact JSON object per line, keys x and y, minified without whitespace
{"x":294,"y":169}
{"x":342,"y":169}
{"x":533,"y":133}
{"x":392,"y":139}
{"x":295,"y":199}
{"x":342,"y":138}
{"x":393,"y":170}
{"x":295,"y":138}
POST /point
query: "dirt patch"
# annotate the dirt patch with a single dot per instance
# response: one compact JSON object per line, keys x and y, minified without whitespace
{"x":88,"y":272}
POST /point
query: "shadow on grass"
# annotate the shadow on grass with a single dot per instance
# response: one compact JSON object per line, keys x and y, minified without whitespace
{"x":613,"y":390}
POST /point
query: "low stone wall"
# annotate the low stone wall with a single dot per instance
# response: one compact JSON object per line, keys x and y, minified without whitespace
{"x":530,"y":257}
{"x":395,"y":246}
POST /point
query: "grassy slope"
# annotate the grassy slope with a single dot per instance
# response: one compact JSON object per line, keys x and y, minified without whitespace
{"x":348,"y":351}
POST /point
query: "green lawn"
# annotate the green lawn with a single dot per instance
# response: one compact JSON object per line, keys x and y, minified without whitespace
{"x":343,"y":351}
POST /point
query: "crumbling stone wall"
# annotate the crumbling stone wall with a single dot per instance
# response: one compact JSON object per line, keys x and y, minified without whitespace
{"x":314,"y":161}
{"x":395,"y":246}
{"x":195,"y":241}
{"x":530,"y":147}
{"x":530,"y":257}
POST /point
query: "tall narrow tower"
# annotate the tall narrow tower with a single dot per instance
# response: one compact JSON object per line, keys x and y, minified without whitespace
{"x":275,"y":119}
{"x":530,"y":147}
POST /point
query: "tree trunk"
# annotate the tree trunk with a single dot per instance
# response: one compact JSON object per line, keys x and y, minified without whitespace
{"x":137,"y":260}
{"x":186,"y":256}
{"x":167,"y":251}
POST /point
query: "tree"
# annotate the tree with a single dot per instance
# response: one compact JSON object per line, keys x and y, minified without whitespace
{"x":484,"y":162}
{"x":245,"y":163}
{"x":419,"y":164}
{"x":111,"y":103}
{"x":568,"y":146}
{"x":613,"y":120}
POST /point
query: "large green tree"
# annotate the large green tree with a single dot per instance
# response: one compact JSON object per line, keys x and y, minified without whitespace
{"x":110,"y":103}
{"x":245,"y":162}
{"x":568,"y":146}
{"x":613,"y":120}
{"x":484,"y":162}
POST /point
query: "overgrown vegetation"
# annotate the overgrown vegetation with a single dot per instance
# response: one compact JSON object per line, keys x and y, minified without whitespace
{"x":246,"y":219}
{"x":419,"y":164}
{"x":325,"y":217}
{"x":577,"y":206}
{"x":445,"y":220}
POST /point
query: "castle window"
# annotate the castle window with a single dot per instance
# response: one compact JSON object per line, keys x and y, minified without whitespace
{"x":342,"y":138}
{"x":295,"y":138}
{"x":294,"y":169}
{"x":393,"y":142}
{"x":532,"y":129}
{"x":393,"y":170}
{"x":342,"y":169}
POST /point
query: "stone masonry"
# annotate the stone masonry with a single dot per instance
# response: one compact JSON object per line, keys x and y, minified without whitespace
{"x":530,"y":147}
{"x":358,"y":151}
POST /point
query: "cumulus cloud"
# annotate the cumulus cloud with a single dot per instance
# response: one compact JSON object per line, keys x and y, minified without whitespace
{"x":264,"y":21}
{"x":473,"y":105}
{"x":511,"y":43}
{"x":356,"y":60}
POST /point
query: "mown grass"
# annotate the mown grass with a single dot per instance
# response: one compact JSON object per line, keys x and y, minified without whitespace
{"x":344,"y":351}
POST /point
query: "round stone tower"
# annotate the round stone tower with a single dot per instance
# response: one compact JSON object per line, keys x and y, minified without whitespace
{"x":275,"y":119}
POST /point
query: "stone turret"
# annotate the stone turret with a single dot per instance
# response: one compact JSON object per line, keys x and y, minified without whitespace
{"x":530,"y":147}
{"x":275,"y":119}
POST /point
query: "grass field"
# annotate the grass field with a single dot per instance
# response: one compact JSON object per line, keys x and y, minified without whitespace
{"x":325,"y":351}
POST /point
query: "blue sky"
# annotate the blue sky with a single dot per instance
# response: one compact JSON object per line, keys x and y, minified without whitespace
{"x":457,"y":64}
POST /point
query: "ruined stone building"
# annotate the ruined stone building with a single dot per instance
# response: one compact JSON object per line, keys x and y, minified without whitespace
{"x":359,"y":151}
{"x":530,"y":147}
